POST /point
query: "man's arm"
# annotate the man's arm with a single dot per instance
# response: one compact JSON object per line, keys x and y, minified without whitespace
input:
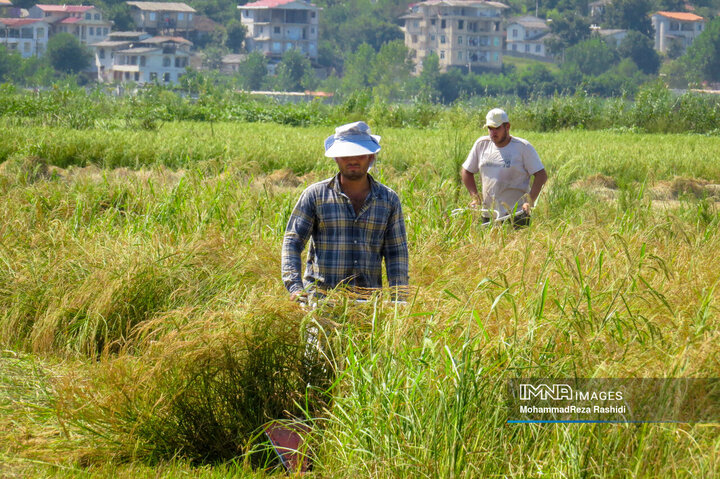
{"x":468,"y":180}
{"x":395,"y":249}
{"x":297,"y":233}
{"x":539,"y":180}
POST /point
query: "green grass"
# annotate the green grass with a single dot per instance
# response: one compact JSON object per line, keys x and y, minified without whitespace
{"x":147,"y":333}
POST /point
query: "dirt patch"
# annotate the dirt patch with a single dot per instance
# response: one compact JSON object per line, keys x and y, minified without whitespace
{"x":283,"y":177}
{"x":681,"y":186}
{"x":597,"y":181}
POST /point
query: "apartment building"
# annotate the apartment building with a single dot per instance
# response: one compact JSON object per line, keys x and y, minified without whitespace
{"x":463,"y":33}
{"x":163,"y":18}
{"x":5,"y":7}
{"x":678,"y":28}
{"x":526,"y":36}
{"x":140,"y":58}
{"x":84,"y":22}
{"x":27,"y":36}
{"x":276,"y":26}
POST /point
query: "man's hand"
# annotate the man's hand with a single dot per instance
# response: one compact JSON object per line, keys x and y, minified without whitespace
{"x":476,"y":201}
{"x":299,"y":296}
{"x":526,"y":208}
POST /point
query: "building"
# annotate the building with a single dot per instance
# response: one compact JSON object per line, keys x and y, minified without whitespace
{"x":140,"y":58}
{"x":463,"y":33}
{"x":27,"y":36}
{"x":84,"y":22}
{"x":612,"y":36}
{"x":163,"y":18}
{"x":676,"y":28}
{"x":231,"y":62}
{"x":526,"y":36}
{"x":276,"y":26}
{"x":5,"y":7}
{"x":597,"y":10}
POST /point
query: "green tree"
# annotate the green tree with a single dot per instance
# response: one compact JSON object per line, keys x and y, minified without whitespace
{"x":569,"y":29}
{"x":391,"y":70}
{"x":430,"y":76}
{"x":10,"y":63}
{"x":630,"y":15}
{"x":292,"y":69}
{"x":640,"y":49}
{"x":236,"y":32}
{"x":358,"y":69}
{"x":592,"y":56}
{"x":703,"y":56}
{"x":253,"y":71}
{"x":66,"y":54}
{"x":212,"y":57}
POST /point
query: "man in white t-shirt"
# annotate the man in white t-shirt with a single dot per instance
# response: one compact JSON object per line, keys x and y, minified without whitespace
{"x":506,"y":165}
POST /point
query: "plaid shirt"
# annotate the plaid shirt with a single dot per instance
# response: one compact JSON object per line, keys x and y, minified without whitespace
{"x":345,"y":248}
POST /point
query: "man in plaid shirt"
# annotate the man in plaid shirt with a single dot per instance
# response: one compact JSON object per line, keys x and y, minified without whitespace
{"x":352,"y":222}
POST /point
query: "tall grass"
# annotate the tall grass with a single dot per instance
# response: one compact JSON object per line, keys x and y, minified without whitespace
{"x":156,"y":275}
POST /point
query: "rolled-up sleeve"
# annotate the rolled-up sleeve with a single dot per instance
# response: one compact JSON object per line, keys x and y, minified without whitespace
{"x":395,"y":248}
{"x":297,"y":233}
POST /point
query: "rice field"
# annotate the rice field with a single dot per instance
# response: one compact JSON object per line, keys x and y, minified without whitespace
{"x":145,"y":332}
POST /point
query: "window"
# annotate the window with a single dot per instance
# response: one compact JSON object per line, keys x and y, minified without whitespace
{"x":96,"y":16}
{"x":26,"y":33}
{"x":432,"y":22}
{"x":40,"y":33}
{"x":461,"y":24}
{"x":101,"y":54}
{"x":259,"y":30}
{"x":674,"y":26}
{"x":153,"y":76}
{"x":442,"y":38}
{"x":166,"y":61}
{"x":47,"y":14}
{"x":91,"y":31}
{"x":432,"y":38}
{"x":181,"y":16}
{"x":88,"y":16}
{"x":189,"y":17}
{"x":312,"y":14}
{"x":442,"y":54}
{"x":460,"y":55}
{"x":105,"y":31}
{"x":514,"y":47}
{"x":416,"y":24}
{"x":177,"y":62}
{"x":514,"y":33}
{"x":142,"y":61}
{"x":312,"y":31}
{"x":137,"y":76}
{"x":26,"y":47}
{"x":527,"y":48}
{"x":537,"y":48}
{"x":460,"y":40}
{"x":276,"y":30}
{"x":152,"y":16}
{"x":442,"y":23}
{"x":414,"y":39}
{"x":166,"y":77}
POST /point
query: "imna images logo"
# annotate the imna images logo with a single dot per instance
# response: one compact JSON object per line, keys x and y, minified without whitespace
{"x":544,"y":392}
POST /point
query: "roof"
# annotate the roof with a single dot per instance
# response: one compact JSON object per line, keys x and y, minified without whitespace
{"x":5,"y":3}
{"x":70,"y":20}
{"x":19,"y":22}
{"x":65,"y":8}
{"x":128,"y":34}
{"x":162,"y":6}
{"x":205,"y":24}
{"x":529,"y":22}
{"x":110,"y":43}
{"x":682,"y":16}
{"x":234,"y":58}
{"x":139,"y":50}
{"x":463,"y":3}
{"x":277,"y":4}
{"x":166,"y":40}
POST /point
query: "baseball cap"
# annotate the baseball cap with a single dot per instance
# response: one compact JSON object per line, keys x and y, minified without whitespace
{"x":496,"y":117}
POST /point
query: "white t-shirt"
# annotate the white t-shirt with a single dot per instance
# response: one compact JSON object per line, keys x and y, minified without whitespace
{"x":505,"y":171}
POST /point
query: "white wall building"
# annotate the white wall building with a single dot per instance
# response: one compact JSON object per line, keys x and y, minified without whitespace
{"x":163,"y":18}
{"x":526,"y":35}
{"x":27,"y":36}
{"x":137,"y":57}
{"x":84,"y":22}
{"x":276,"y":26}
{"x":676,"y":27}
{"x":463,"y":33}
